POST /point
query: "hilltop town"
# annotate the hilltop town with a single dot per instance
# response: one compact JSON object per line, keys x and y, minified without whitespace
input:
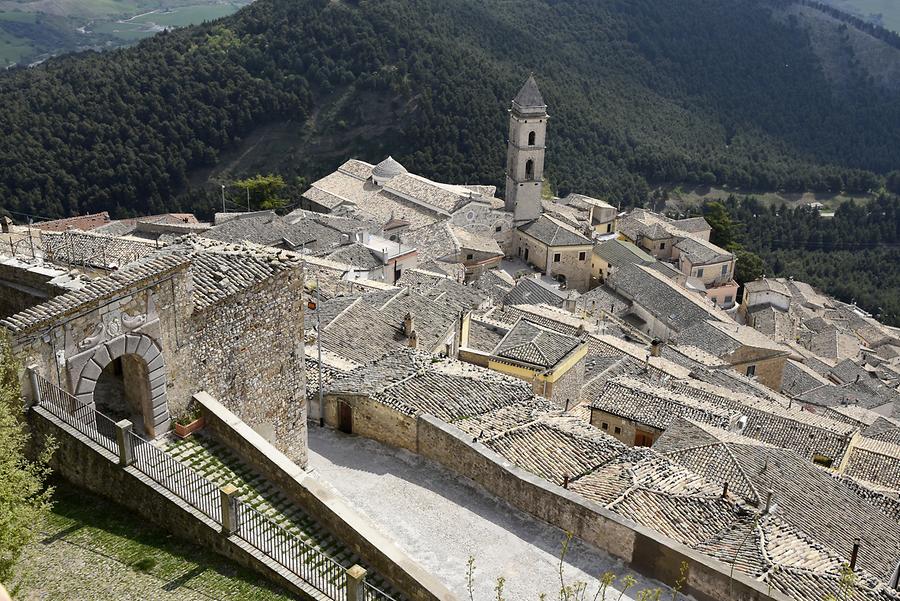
{"x":598,"y":369}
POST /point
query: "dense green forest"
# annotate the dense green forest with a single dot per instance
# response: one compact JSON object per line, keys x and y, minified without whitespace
{"x":854,"y":256}
{"x":640,"y":92}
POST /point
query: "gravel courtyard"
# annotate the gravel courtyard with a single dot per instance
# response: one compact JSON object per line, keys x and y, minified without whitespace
{"x":441,"y":519}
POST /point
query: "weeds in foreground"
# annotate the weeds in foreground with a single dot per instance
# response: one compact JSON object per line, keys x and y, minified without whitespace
{"x":579,"y":590}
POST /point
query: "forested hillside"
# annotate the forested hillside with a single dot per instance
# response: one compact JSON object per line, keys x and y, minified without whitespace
{"x":640,"y":92}
{"x":854,"y":255}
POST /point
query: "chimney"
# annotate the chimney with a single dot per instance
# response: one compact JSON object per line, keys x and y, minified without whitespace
{"x":725,"y":490}
{"x":769,"y":494}
{"x":408,"y":325}
{"x":413,"y":340}
{"x":854,"y":554}
{"x":5,"y":222}
{"x":656,"y":348}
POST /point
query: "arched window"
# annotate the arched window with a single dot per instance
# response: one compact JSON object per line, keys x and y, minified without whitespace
{"x":531,"y":138}
{"x":529,"y":169}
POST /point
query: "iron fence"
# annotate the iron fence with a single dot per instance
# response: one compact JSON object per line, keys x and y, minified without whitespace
{"x":176,"y":477}
{"x":303,"y":560}
{"x":372,"y":593}
{"x":83,"y":417}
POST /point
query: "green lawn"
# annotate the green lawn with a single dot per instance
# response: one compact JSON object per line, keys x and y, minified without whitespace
{"x":96,"y":549}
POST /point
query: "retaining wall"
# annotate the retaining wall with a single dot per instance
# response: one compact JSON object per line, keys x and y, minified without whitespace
{"x":90,"y":466}
{"x":651,"y":553}
{"x":355,"y":531}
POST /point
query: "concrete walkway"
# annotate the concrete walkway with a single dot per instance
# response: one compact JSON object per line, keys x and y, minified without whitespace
{"x":441,"y":519}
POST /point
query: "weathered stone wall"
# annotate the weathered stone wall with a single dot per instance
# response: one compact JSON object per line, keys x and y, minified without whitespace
{"x":355,"y":531}
{"x":247,"y":352}
{"x":566,"y":390}
{"x":769,"y":370}
{"x":89,"y":466}
{"x":160,"y":309}
{"x":23,"y":288}
{"x":374,"y":420}
{"x":648,"y":552}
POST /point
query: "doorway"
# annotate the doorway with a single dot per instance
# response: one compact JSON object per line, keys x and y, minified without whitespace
{"x":345,"y":418}
{"x":123,"y":392}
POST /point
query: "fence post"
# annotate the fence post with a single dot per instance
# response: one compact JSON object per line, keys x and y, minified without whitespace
{"x":229,"y":500}
{"x":35,"y":387}
{"x":356,"y":576}
{"x":123,"y":439}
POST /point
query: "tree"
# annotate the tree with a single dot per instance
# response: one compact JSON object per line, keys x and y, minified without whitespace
{"x":749,"y":266}
{"x":263,"y":190}
{"x":720,"y":221}
{"x":24,"y":499}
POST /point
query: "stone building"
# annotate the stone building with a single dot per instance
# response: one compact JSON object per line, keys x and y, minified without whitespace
{"x":525,"y":153}
{"x":551,"y":362}
{"x":139,"y":342}
{"x":557,"y":250}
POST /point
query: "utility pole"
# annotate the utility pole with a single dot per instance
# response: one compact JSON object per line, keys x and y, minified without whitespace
{"x":319,"y":345}
{"x":223,"y":198}
{"x":248,"y":199}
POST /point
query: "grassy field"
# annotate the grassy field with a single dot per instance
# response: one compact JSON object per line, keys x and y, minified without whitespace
{"x":682,"y":197}
{"x":67,"y":25}
{"x":94,"y":549}
{"x":884,"y":12}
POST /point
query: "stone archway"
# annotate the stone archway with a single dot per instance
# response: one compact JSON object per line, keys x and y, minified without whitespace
{"x":140,"y":350}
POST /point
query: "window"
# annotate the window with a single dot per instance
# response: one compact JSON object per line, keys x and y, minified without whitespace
{"x":724,"y":269}
{"x":699,"y":273}
{"x":556,"y":258}
{"x":499,"y":228}
{"x":618,"y":430}
{"x":531,"y":137}
{"x":751,"y":371}
{"x":662,"y":246}
{"x":729,"y":300}
{"x":582,"y":256}
{"x":605,"y":426}
{"x":529,"y":169}
{"x":608,"y":228}
{"x":469,"y":257}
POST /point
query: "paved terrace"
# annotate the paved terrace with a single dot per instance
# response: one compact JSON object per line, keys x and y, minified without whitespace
{"x":441,"y":519}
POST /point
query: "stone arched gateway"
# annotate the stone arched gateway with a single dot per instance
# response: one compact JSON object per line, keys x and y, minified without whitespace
{"x":85,"y":371}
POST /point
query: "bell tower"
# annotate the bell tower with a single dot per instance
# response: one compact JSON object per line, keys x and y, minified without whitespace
{"x":525,"y":153}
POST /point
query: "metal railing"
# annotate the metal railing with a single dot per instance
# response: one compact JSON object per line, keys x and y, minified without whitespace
{"x":310,"y":564}
{"x":177,"y":478}
{"x":372,"y":593}
{"x":301,"y":559}
{"x":80,"y":416}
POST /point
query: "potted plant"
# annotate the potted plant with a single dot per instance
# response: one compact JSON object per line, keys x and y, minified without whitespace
{"x":190,"y":421}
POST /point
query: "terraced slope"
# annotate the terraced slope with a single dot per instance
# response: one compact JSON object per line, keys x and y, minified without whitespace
{"x":216,"y":462}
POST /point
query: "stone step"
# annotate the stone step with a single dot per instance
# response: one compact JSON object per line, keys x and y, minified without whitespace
{"x":216,"y":463}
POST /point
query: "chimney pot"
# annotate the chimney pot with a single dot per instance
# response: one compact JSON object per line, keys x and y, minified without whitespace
{"x":408,"y":325}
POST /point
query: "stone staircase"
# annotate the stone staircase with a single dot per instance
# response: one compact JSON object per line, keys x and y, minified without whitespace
{"x":216,"y":462}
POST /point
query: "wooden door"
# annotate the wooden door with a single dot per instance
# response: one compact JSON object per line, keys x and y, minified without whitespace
{"x":345,"y":418}
{"x":643,"y":439}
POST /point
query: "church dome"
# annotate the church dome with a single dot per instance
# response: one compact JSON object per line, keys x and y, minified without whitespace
{"x":387,"y":169}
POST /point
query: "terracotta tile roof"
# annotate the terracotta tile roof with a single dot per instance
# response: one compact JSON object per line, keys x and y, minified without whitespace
{"x":536,"y":345}
{"x":553,"y":232}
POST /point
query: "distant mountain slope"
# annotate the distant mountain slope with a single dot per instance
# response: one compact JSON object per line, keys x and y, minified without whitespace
{"x":640,"y":92}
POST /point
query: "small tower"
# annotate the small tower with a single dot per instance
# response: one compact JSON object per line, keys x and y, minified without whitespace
{"x":525,"y":153}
